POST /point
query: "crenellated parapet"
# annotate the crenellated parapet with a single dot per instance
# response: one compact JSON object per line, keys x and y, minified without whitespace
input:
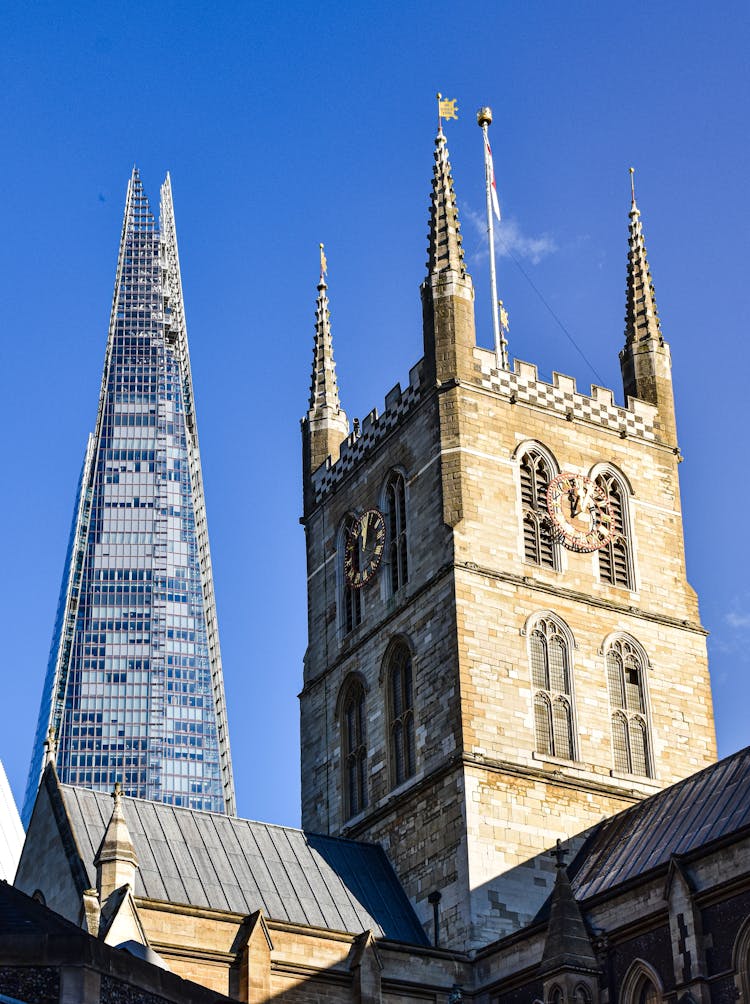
{"x":523,"y":385}
{"x":373,"y":430}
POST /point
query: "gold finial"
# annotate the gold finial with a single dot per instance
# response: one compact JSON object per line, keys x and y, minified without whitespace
{"x":323,"y":263}
{"x":632,"y":183}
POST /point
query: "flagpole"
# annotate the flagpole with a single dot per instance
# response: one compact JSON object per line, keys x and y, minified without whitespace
{"x":484,"y":118}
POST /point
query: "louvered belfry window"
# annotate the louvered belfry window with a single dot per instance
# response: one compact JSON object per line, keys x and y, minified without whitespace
{"x":614,"y":557}
{"x":538,"y":543}
{"x":352,"y":598}
{"x":396,"y":514}
{"x":354,"y":731}
{"x":625,"y":683}
{"x":550,"y":676}
{"x":403,"y":756}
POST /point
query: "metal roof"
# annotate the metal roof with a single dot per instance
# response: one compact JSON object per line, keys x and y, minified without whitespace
{"x":689,"y":815}
{"x":204,"y":859}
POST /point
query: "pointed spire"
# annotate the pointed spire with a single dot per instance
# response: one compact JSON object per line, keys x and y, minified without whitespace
{"x":641,"y":316}
{"x":324,"y":391}
{"x":115,"y":861}
{"x":568,"y":945}
{"x":645,"y":360}
{"x":445,"y":250}
{"x":325,"y":426}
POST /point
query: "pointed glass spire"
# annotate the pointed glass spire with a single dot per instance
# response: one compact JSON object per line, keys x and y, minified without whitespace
{"x":134,"y":690}
{"x":641,"y":315}
{"x":445,"y":250}
{"x":324,"y":391}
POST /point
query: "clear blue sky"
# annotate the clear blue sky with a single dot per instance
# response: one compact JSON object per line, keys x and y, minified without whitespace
{"x":287,"y":124}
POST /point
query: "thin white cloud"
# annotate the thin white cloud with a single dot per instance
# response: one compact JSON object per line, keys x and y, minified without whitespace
{"x":509,"y":240}
{"x":738,"y":621}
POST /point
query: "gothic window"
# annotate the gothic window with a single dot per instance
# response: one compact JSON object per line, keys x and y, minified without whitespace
{"x":648,"y":994}
{"x":556,"y":996}
{"x":615,"y":565}
{"x":625,"y":666}
{"x":395,"y":505}
{"x":354,"y":748}
{"x":351,"y":597}
{"x":538,"y":543}
{"x":641,"y":985}
{"x":582,"y":995}
{"x":401,"y":695}
{"x":549,"y":652}
{"x":741,"y":960}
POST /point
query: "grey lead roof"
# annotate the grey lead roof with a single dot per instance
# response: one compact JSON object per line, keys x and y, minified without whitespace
{"x":220,"y":862}
{"x":706,"y":806}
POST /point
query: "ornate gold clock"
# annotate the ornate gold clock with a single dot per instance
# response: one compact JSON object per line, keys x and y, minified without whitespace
{"x":364,"y":548}
{"x":580,"y":512}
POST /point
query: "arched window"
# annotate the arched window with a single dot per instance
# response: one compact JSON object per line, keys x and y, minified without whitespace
{"x":401,"y":696}
{"x":395,"y":505}
{"x":538,"y":542}
{"x":641,"y":985}
{"x":351,"y":598}
{"x":549,"y":653}
{"x":647,"y":993}
{"x":354,"y":748}
{"x":582,"y":994}
{"x":741,"y":960}
{"x":615,"y":565}
{"x":626,"y":684}
{"x":556,"y":996}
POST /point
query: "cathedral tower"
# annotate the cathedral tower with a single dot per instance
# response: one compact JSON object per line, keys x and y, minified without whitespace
{"x":503,"y":645}
{"x":134,"y":689}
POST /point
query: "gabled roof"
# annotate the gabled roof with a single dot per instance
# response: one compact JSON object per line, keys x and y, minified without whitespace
{"x":203,"y":859}
{"x":691,"y":814}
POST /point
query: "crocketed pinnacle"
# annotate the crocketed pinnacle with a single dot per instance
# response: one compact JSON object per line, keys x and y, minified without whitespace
{"x":641,"y":315}
{"x":445,"y":251}
{"x":117,"y":844}
{"x":324,"y":391}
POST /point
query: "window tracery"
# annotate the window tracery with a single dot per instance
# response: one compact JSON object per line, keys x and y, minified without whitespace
{"x":395,"y":505}
{"x":625,"y":665}
{"x":354,"y":747}
{"x":351,"y":598}
{"x":549,"y":654}
{"x":615,"y":564}
{"x":538,"y":540}
{"x":401,"y":697}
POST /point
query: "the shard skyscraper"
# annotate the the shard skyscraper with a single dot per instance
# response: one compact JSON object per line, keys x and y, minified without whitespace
{"x":134,"y":689}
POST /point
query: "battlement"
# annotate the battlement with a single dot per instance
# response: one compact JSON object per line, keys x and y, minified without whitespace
{"x":599,"y":408}
{"x":521,"y":385}
{"x":374,"y":428}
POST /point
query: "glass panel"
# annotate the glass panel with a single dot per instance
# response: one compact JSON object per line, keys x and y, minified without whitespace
{"x":542,"y":721}
{"x":620,"y":744}
{"x":563,"y":740}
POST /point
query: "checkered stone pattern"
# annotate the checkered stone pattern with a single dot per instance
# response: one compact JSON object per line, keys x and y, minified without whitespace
{"x":374,"y":428}
{"x":566,"y":401}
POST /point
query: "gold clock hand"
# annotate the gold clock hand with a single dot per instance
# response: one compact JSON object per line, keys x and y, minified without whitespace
{"x":364,"y":525}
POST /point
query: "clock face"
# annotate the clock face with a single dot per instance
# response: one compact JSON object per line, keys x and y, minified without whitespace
{"x":580,"y":512}
{"x":364,"y":548}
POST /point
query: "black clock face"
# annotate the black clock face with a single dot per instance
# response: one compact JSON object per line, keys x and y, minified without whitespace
{"x":364,"y":548}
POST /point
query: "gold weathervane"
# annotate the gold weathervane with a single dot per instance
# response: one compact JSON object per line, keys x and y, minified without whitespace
{"x":323,"y":262}
{"x":504,"y":323}
{"x":446,"y":108}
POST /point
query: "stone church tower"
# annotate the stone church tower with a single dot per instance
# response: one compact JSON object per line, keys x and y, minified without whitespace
{"x":503,"y":645}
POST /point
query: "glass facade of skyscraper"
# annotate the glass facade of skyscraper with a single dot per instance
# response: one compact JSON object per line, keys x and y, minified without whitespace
{"x":134,"y":688}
